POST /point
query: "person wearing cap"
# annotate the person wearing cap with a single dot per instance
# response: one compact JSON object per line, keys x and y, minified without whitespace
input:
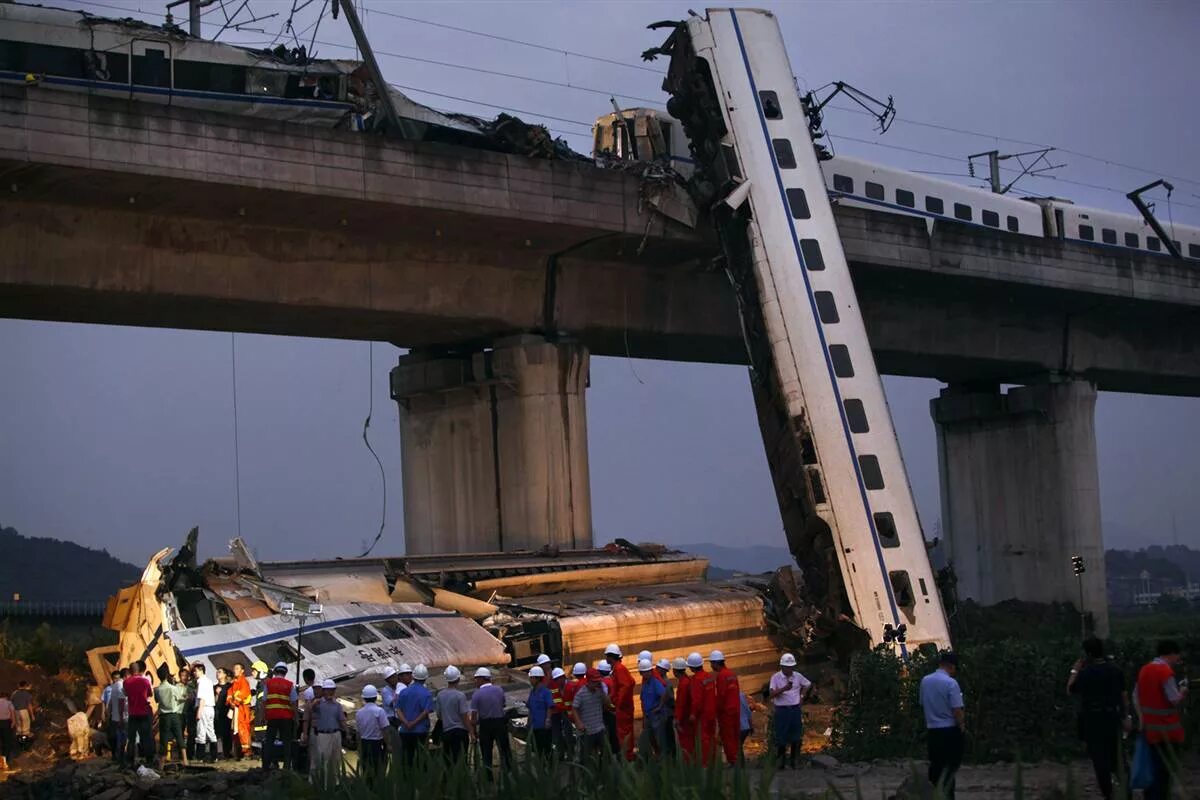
{"x":704,"y":707}
{"x":622,"y":699}
{"x":571,"y":688}
{"x":942,"y":702}
{"x":491,"y":723}
{"x":306,"y":693}
{"x":685,"y":731}
{"x":540,"y":703}
{"x":279,"y":710}
{"x":414,"y":706}
{"x":327,"y":723}
{"x":729,"y":707}
{"x":387,"y":695}
{"x":371,"y":721}
{"x":454,"y":712}
{"x":560,"y":712}
{"x":587,"y":712}
{"x":663,"y":670}
{"x":787,"y":691}
{"x":654,"y":715}
{"x":610,"y":716}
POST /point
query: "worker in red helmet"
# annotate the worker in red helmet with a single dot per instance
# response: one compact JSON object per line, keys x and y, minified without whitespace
{"x":622,"y":698}
{"x":684,"y":729}
{"x":704,"y":707}
{"x":729,"y":707}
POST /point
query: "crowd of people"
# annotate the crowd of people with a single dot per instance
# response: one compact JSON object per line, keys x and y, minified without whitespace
{"x":17,"y":713}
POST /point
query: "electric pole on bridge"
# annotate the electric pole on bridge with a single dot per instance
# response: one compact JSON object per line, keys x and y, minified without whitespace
{"x":994,"y":158}
{"x":1079,"y":568}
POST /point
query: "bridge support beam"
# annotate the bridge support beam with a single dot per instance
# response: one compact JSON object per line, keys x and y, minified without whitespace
{"x":494,"y":448}
{"x":1021,"y":493}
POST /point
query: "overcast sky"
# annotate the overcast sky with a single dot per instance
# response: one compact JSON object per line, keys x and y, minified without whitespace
{"x":123,"y":438}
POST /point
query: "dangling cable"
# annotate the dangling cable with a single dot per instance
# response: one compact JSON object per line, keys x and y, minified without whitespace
{"x":237,"y":458}
{"x":367,"y":442}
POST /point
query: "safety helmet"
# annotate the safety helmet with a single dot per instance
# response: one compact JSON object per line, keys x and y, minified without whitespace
{"x":328,"y":684}
{"x":787,"y":660}
{"x":716,"y":655}
{"x":646,"y":654}
{"x":404,"y":669}
{"x":537,"y":672}
{"x":259,"y":667}
{"x":613,"y":650}
{"x":543,"y":659}
{"x":281,"y":667}
{"x":557,"y":673}
{"x":370,"y":692}
{"x":645,"y":665}
{"x":388,"y":671}
{"x":580,"y":668}
{"x":593,"y":674}
{"x":483,"y":672}
{"x":679,"y":664}
{"x":664,"y":663}
{"x":604,"y":667}
{"x":452,"y":673}
{"x":694,"y":660}
{"x":420,"y":672}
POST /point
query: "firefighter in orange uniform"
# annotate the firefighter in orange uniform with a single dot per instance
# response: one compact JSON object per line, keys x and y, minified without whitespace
{"x":704,"y":706}
{"x":240,"y":698}
{"x":622,"y":698}
{"x":560,"y":711}
{"x":684,"y":728}
{"x":279,"y":711}
{"x":729,"y":706}
{"x":1158,"y":698}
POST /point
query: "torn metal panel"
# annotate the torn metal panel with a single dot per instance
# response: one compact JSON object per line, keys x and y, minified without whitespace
{"x":336,"y":586}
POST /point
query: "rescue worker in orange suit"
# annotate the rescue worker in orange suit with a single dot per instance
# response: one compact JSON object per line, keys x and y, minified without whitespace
{"x":622,"y":698}
{"x":1158,"y":699}
{"x":279,"y":711}
{"x":729,"y":706}
{"x":560,"y":712}
{"x":684,"y":728}
{"x":240,"y":698}
{"x":704,"y":707}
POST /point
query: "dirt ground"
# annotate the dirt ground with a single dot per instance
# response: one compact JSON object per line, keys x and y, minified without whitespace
{"x":55,"y":696}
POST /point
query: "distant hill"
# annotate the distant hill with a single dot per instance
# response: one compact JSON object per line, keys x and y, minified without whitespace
{"x":752,"y":558}
{"x":52,"y":570}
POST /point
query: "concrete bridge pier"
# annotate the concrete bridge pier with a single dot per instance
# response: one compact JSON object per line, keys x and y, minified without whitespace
{"x":1021,"y":492}
{"x":494,"y":447}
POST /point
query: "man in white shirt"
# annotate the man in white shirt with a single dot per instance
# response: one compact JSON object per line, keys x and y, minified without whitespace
{"x":117,"y":714}
{"x":206,"y":710}
{"x":371,"y":721}
{"x":787,"y":690}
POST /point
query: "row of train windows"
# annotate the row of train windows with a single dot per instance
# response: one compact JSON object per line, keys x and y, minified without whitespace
{"x":1109,"y":236}
{"x":316,"y":643}
{"x":934,"y":205}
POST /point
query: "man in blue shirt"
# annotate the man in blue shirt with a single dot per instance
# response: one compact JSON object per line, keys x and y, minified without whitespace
{"x":657,"y":735}
{"x":941,"y":698}
{"x":539,"y":704}
{"x":413,"y":707}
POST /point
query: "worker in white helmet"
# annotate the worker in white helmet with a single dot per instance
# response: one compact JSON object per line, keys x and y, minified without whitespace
{"x":371,"y":721}
{"x":577,"y":681}
{"x":685,"y":729}
{"x":545,"y":662}
{"x":540,"y":703}
{"x":729,"y":707}
{"x":645,"y":655}
{"x":663,"y":670}
{"x":622,"y":698}
{"x":454,"y":712}
{"x":387,"y":694}
{"x":704,"y":707}
{"x":327,"y":725}
{"x":491,"y":724}
{"x":413,"y":708}
{"x":655,"y":720}
{"x":787,"y":691}
{"x":560,"y":714}
{"x":610,"y":714}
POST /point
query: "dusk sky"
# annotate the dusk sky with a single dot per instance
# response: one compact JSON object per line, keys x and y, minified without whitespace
{"x":122,"y":438}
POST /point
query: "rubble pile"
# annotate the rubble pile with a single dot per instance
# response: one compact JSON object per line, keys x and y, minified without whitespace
{"x":101,"y":779}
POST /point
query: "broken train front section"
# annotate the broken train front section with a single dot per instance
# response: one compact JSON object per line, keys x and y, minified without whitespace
{"x":847,"y":508}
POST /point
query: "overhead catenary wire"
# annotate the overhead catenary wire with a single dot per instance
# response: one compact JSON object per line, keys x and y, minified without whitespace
{"x":367,"y":442}
{"x":237,"y":456}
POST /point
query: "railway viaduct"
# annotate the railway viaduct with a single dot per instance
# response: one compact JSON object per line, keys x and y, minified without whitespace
{"x":502,"y":274}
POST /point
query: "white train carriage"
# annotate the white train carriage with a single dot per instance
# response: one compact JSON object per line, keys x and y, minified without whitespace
{"x":1063,"y":219}
{"x":853,"y":182}
{"x":752,"y":128}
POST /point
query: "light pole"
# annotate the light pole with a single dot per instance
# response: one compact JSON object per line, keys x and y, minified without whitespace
{"x":1079,"y":568}
{"x":289,"y":611}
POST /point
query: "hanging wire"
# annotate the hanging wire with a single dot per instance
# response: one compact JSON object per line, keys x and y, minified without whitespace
{"x":367,"y":442}
{"x":237,"y":457}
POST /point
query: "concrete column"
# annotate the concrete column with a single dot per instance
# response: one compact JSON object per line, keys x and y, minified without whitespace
{"x":494,"y":448}
{"x":1021,"y":493}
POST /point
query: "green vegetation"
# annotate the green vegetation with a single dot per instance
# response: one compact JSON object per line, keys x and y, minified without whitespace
{"x":52,"y":649}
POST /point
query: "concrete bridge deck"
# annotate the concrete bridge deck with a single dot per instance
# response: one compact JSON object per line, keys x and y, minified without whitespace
{"x":127,"y":213}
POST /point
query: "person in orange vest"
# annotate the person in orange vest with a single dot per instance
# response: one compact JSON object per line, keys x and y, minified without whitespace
{"x":279,"y":710}
{"x":240,"y":698}
{"x":622,"y":698}
{"x":1158,"y":698}
{"x":704,"y":707}
{"x":571,"y":687}
{"x":560,"y":712}
{"x":729,"y":707}
{"x":684,"y":729}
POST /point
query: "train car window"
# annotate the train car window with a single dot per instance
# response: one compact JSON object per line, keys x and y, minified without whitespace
{"x":871,"y":473}
{"x":357,"y":634}
{"x":226,"y":661}
{"x":874,"y":190}
{"x":42,"y":59}
{"x":1178,"y":246}
{"x":814,"y":483}
{"x":266,"y":82}
{"x":843,"y":183}
{"x":885,"y":527}
{"x":811,"y":250}
{"x":1108,"y":236}
{"x":274,"y":652}
{"x":1152,"y":243}
{"x":990,"y":218}
{"x":1131,"y":240}
{"x":826,"y":307}
{"x":905,"y":198}
{"x":843,"y":367}
{"x":1087,"y":233}
{"x":784,"y":156}
{"x":152,"y":69}
{"x":856,"y":416}
{"x":934,"y":205}
{"x":962,"y":211}
{"x":320,"y":642}
{"x":392,"y":629}
{"x":798,"y":203}
{"x":210,"y":77}
{"x":417,"y":627}
{"x":1194,"y":251}
{"x":1014,"y":224}
{"x":902,"y":588}
{"x":770,"y":105}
